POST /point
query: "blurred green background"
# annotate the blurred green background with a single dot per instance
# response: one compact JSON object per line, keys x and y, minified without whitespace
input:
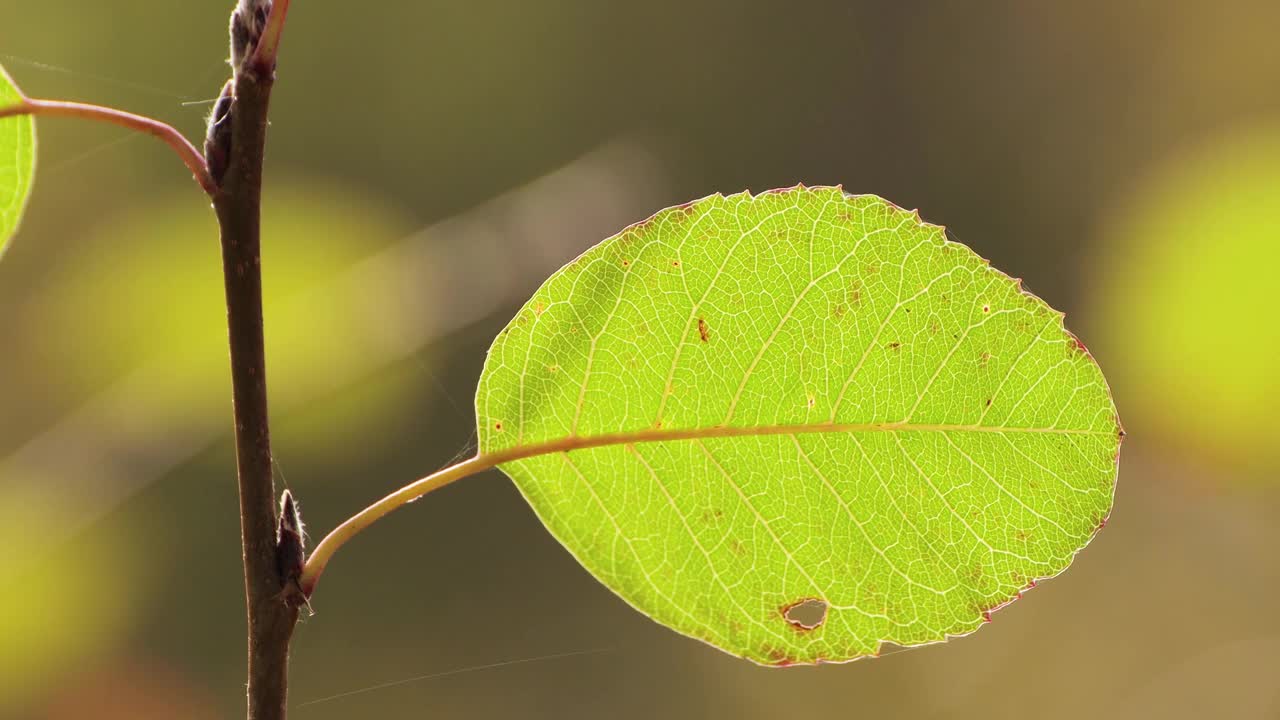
{"x":431,"y":162}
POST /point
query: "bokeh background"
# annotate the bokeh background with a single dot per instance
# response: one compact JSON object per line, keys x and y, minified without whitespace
{"x":431,"y":162}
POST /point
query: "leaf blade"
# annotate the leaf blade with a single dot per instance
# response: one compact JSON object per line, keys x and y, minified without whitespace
{"x":840,"y":328}
{"x":17,"y":162}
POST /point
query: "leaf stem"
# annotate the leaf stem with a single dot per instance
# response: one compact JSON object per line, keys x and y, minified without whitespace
{"x":190,"y":156}
{"x":483,"y":461}
{"x":320,"y":556}
{"x":265,"y":56}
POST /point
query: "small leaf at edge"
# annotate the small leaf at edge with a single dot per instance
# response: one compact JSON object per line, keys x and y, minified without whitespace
{"x":17,"y":161}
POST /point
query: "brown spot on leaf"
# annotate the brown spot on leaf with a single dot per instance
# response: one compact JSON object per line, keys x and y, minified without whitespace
{"x":984,"y":359}
{"x":675,"y":263}
{"x":854,"y":295}
{"x":776,"y":655}
{"x":498,"y":426}
{"x":704,"y":332}
{"x":986,"y":308}
{"x":895,"y":345}
{"x":626,"y":263}
{"x":1101,"y":522}
{"x":539,"y":308}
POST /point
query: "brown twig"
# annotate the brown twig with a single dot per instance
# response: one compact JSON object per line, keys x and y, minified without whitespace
{"x":138,"y":123}
{"x":272,"y":610}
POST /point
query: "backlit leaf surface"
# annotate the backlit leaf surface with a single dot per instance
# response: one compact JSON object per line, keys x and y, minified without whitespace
{"x":17,"y":162}
{"x":802,"y":399}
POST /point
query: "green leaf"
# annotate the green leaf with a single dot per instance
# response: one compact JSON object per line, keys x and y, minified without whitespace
{"x":802,"y":424}
{"x":17,"y":161}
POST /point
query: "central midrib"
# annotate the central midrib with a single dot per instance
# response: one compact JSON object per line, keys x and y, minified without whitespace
{"x":650,"y":435}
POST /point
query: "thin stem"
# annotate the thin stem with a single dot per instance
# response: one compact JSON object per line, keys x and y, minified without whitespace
{"x":190,"y":156}
{"x":265,"y":56}
{"x":319,"y":557}
{"x":484,"y":461}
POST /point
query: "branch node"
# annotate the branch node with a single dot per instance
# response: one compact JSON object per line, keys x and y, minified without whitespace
{"x":217,"y":141}
{"x":291,"y":553}
{"x":248,"y":21}
{"x":256,"y":27}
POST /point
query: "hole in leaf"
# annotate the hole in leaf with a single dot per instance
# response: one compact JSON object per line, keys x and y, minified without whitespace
{"x":806,"y":614}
